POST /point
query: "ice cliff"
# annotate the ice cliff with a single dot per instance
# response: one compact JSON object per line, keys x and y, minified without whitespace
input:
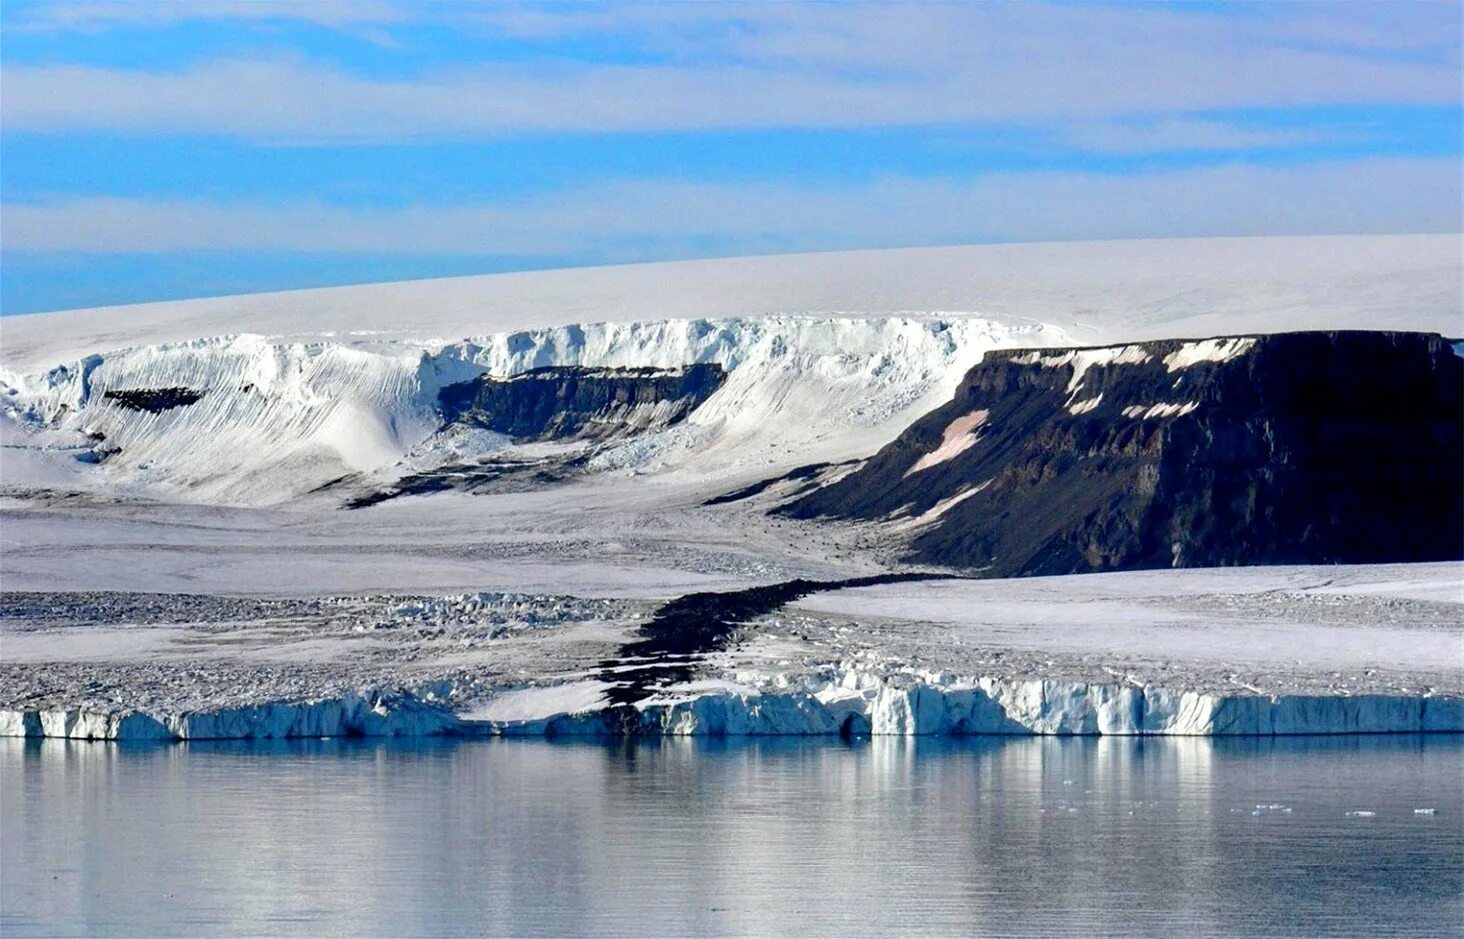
{"x":856,"y":705}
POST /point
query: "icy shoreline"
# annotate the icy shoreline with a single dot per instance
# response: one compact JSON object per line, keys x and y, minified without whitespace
{"x":987,"y":706}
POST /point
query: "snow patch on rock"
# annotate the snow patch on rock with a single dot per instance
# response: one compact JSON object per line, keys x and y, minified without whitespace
{"x":1208,"y":350}
{"x":1083,"y":407}
{"x":1164,"y":409}
{"x":960,"y":436}
{"x":1081,"y":360}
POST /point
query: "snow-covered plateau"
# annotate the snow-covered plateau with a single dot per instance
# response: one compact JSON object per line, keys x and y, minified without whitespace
{"x":248,"y":517}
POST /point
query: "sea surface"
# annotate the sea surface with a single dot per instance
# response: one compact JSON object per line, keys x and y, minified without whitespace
{"x":1026,"y":836}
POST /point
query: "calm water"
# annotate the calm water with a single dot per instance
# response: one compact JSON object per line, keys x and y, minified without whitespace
{"x":1029,"y":836}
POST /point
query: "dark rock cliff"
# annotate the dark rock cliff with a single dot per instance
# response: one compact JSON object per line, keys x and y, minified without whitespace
{"x":572,"y":402}
{"x":1316,"y":447}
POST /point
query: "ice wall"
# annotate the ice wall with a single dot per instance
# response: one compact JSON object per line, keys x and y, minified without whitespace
{"x":856,"y":705}
{"x":367,"y":715}
{"x":999,"y":706}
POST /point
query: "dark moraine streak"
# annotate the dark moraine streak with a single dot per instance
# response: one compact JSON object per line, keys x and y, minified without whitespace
{"x":805,"y":478}
{"x":1314,"y":447}
{"x":480,"y":478}
{"x":565,"y":402}
{"x":155,"y":400}
{"x":666,"y":650}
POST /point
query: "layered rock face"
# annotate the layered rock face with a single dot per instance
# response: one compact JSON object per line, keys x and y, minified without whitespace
{"x":573,"y":402}
{"x":1314,"y":447}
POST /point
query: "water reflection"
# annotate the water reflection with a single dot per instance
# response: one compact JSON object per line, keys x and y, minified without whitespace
{"x":987,"y":835}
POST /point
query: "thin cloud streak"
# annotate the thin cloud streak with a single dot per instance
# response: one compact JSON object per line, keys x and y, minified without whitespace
{"x":288,"y":101}
{"x":720,"y":66}
{"x":102,"y":15}
{"x":658,"y":219}
{"x":1188,"y":134}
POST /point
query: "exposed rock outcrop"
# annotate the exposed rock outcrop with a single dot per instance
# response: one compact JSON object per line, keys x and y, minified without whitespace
{"x":1315,"y":447}
{"x":573,"y":402}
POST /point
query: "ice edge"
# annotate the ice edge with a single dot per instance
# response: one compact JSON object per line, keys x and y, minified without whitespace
{"x":990,"y":706}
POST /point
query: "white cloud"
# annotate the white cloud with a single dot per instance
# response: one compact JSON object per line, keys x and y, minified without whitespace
{"x":657,"y":219}
{"x":97,"y":15}
{"x":782,"y":65}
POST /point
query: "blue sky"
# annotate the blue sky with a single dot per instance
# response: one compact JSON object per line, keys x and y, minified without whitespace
{"x":156,"y":150}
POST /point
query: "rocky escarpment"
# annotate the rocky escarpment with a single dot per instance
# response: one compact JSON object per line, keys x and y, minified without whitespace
{"x":1315,"y":447}
{"x":573,"y":402}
